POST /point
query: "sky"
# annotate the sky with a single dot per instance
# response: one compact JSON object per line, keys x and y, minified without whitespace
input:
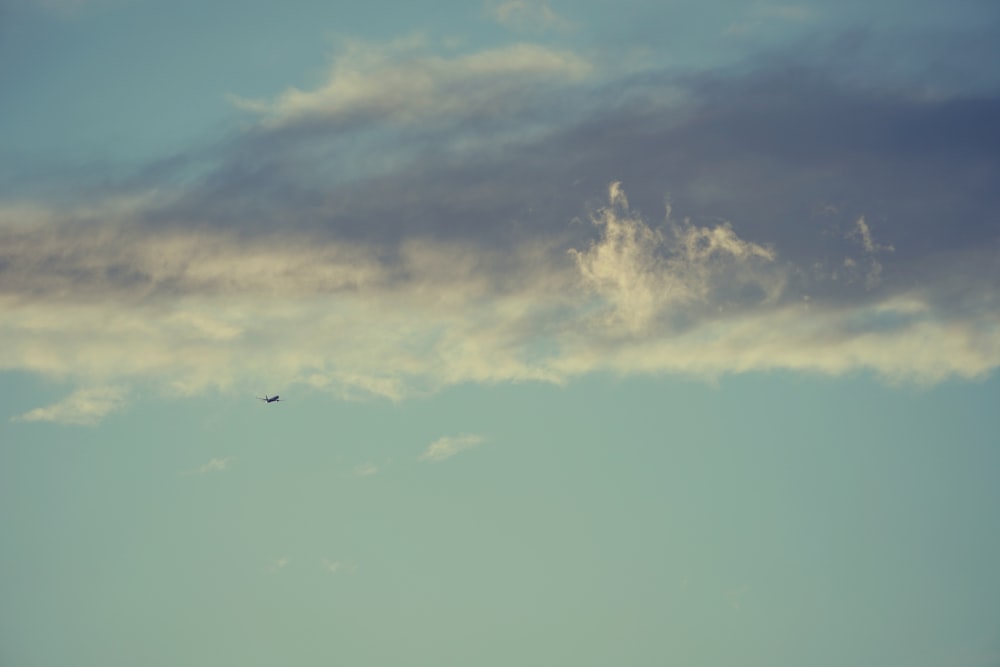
{"x":626,"y":332}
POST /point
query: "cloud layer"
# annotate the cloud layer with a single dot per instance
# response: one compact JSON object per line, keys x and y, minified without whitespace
{"x":825,"y":228}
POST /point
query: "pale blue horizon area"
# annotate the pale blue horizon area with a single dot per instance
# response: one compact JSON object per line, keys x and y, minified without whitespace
{"x":768,"y":520}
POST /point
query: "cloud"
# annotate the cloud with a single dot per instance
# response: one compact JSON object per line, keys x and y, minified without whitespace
{"x":365,"y":469}
{"x":447,"y":446}
{"x":642,"y":272}
{"x":280,"y":564}
{"x":863,"y":235}
{"x":402,"y":82}
{"x":673,"y":297}
{"x":332,"y":566}
{"x":762,"y":15}
{"x":84,"y":407}
{"x":527,"y":15}
{"x":214,"y":465}
{"x":812,"y":225}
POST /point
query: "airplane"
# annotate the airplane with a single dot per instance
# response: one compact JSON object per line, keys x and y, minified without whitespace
{"x":269,"y":399}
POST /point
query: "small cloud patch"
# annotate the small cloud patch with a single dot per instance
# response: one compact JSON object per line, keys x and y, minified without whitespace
{"x":527,"y":14}
{"x":448,"y":446}
{"x":85,"y":407}
{"x":365,"y":469}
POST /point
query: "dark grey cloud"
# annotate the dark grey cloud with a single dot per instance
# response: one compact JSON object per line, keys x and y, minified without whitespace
{"x":790,"y":155}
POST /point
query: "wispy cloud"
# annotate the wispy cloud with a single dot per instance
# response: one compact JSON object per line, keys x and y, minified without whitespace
{"x":403,"y":82}
{"x":761,"y":15}
{"x":861,"y":233}
{"x":447,"y":446}
{"x":642,"y":271}
{"x":84,"y":407}
{"x":213,"y":465}
{"x":532,"y":15}
{"x":332,"y":566}
{"x":365,"y":469}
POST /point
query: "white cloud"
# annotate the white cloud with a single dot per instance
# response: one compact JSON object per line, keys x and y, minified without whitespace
{"x":403,"y":82}
{"x":643,"y":272}
{"x":84,"y":407}
{"x":280,"y":563}
{"x":332,"y":566}
{"x":187,"y":311}
{"x":448,"y":446}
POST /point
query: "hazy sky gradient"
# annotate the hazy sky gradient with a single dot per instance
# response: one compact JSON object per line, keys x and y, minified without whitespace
{"x":643,"y":333}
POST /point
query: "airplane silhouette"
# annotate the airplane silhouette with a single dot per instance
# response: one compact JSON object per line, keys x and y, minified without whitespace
{"x":269,"y":399}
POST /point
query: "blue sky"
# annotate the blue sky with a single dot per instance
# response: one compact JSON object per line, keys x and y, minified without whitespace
{"x":606,"y":333}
